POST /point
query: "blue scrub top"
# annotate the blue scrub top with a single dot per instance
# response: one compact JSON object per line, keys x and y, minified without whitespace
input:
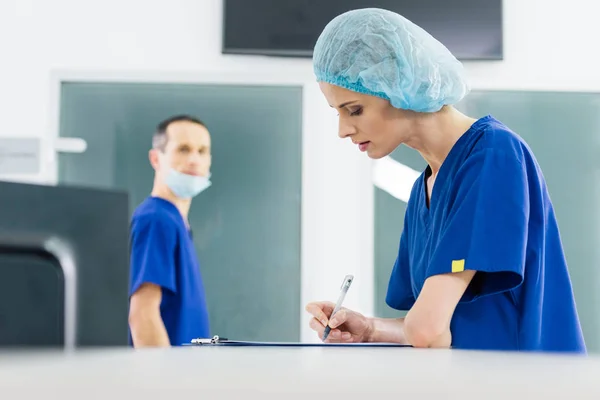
{"x":490,"y":211}
{"x":162,"y":252}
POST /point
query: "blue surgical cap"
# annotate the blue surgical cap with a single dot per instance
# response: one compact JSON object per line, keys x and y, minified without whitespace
{"x":380,"y":53}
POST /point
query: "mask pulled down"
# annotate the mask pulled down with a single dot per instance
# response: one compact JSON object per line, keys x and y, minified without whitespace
{"x":186,"y":186}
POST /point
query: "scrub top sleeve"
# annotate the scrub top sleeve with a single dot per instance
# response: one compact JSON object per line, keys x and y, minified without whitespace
{"x":400,"y":295}
{"x":487,"y":224}
{"x":152,"y":258}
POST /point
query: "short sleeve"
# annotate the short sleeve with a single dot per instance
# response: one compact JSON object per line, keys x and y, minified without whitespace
{"x":486,"y":225}
{"x":400,"y":295}
{"x":152,"y":254}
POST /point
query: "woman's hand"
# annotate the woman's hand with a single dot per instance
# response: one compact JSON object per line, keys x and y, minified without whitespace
{"x":347,"y":326}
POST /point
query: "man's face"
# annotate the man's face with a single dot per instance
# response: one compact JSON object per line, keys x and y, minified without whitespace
{"x":187,"y":150}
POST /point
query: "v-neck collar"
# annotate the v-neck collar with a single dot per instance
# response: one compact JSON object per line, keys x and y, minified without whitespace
{"x":444,"y":168}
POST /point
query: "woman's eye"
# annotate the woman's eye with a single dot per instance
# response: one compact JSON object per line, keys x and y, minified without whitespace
{"x":358,"y":111}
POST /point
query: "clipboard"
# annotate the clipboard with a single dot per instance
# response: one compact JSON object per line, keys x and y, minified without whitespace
{"x":218,"y":341}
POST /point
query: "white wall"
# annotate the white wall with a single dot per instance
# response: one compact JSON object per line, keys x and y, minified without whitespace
{"x":549,"y":44}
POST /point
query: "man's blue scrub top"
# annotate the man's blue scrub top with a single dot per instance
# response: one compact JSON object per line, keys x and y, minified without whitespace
{"x":162,"y":253}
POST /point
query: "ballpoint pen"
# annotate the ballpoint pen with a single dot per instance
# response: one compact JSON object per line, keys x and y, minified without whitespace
{"x":343,"y":290}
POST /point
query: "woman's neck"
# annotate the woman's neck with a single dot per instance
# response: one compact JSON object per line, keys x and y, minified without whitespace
{"x":435,"y":135}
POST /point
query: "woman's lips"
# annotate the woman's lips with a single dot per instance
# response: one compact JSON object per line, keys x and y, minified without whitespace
{"x":363,"y":146}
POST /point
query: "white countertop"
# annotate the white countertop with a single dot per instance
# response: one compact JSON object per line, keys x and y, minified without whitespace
{"x":297,"y":372}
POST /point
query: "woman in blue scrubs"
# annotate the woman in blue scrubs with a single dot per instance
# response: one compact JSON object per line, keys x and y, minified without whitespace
{"x":480,"y":262}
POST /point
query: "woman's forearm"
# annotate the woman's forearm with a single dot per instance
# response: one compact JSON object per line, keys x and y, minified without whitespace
{"x":392,"y":330}
{"x":387,"y":330}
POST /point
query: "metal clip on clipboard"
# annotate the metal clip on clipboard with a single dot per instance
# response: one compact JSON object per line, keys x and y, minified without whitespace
{"x":214,"y":340}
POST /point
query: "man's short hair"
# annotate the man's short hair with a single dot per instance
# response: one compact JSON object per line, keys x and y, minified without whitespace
{"x":160,"y":138}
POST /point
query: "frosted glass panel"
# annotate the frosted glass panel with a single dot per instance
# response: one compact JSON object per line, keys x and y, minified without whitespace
{"x":247,"y":224}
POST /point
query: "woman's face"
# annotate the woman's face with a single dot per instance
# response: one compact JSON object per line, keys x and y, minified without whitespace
{"x":370,"y":122}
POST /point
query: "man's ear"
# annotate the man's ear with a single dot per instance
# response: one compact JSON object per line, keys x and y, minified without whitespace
{"x":153,"y":157}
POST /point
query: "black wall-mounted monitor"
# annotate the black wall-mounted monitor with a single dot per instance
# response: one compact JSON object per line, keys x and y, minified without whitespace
{"x":64,"y":268}
{"x":470,"y":29}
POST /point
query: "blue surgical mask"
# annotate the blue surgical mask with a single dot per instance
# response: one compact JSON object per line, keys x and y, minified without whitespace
{"x":186,"y":186}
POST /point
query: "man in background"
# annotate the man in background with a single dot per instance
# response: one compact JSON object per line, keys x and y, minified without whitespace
{"x":167,"y":300}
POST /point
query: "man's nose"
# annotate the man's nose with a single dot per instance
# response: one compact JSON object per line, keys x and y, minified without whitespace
{"x":200,"y":164}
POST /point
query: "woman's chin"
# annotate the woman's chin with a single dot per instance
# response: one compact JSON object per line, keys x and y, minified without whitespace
{"x":376,"y":154}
